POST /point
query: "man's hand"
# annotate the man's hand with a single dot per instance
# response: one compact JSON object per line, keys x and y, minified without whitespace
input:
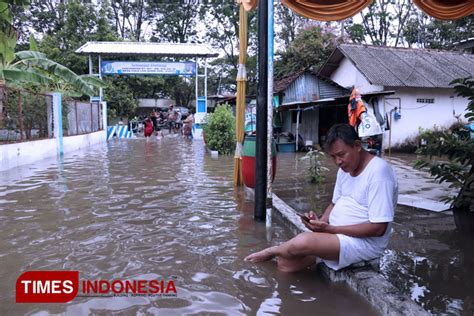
{"x":316,"y":225}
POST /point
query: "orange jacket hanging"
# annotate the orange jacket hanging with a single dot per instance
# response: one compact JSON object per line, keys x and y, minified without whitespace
{"x":355,"y":107}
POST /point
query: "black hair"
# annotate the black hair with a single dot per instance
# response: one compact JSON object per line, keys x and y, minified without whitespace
{"x":344,"y":132}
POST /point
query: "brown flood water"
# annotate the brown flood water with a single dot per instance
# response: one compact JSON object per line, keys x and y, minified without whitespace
{"x":150,"y":210}
{"x":427,"y":259}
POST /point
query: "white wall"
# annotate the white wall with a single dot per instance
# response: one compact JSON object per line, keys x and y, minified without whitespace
{"x":17,"y":154}
{"x":72,"y":143}
{"x":425,"y":115}
{"x":414,"y":115}
{"x":347,"y":75}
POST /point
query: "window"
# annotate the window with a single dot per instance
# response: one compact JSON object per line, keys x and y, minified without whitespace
{"x":425,"y":100}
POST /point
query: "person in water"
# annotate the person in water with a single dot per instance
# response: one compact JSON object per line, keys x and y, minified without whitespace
{"x":149,"y":128}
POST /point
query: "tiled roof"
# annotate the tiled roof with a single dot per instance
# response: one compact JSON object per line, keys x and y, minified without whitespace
{"x":403,"y":67}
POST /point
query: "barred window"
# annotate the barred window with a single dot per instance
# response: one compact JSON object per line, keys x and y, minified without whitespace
{"x":425,"y":100}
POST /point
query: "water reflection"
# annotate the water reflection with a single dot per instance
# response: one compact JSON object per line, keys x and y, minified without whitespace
{"x":141,"y":210}
{"x":427,"y":258}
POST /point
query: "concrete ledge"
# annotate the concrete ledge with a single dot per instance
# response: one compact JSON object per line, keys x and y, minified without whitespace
{"x":363,"y":277}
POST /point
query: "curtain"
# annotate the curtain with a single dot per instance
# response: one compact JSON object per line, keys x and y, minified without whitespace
{"x":326,"y":10}
{"x":446,"y":9}
{"x":335,"y":10}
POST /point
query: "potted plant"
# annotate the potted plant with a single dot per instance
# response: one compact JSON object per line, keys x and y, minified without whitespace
{"x":458,"y":148}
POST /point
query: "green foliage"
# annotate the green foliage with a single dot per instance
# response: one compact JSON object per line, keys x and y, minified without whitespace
{"x":424,"y":31}
{"x":458,"y":148}
{"x":219,"y":130}
{"x":179,"y":27}
{"x":316,"y":169}
{"x":34,"y":113}
{"x":290,"y":23}
{"x":119,"y":97}
{"x":312,"y":47}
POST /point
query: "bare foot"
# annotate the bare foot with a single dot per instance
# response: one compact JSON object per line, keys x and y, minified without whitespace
{"x":261,"y":256}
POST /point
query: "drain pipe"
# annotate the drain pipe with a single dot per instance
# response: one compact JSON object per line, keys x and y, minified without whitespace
{"x":262,"y":110}
{"x":390,"y":132}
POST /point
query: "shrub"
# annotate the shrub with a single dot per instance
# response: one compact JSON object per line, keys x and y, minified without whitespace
{"x":219,"y":130}
{"x":316,"y":168}
{"x":458,"y":148}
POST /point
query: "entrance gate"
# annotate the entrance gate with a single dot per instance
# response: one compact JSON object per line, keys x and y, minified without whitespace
{"x":139,"y":49}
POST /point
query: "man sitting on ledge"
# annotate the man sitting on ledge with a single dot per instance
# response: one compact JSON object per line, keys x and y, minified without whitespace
{"x":356,"y":226}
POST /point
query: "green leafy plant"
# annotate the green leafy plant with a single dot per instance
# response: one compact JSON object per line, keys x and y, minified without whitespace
{"x":456,"y":148}
{"x":27,"y":69}
{"x":219,"y":130}
{"x":316,"y":168}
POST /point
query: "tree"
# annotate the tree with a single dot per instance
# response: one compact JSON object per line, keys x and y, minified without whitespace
{"x":131,"y":17}
{"x":222,"y":31}
{"x":424,"y":31}
{"x":179,"y":27}
{"x":382,"y":22}
{"x":119,"y":96}
{"x":311,"y":48}
{"x":290,"y":23}
{"x":79,"y":25}
{"x":32,"y":68}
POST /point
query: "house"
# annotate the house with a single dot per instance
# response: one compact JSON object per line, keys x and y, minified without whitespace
{"x":420,"y":78}
{"x":309,"y":105}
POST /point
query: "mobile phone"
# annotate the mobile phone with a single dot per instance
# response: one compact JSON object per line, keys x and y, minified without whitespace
{"x":304,"y":218}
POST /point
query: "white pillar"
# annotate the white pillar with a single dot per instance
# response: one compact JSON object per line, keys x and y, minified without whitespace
{"x":104,"y":115}
{"x":58,"y":122}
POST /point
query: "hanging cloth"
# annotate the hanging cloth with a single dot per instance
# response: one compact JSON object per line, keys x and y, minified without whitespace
{"x":336,"y":10}
{"x":355,"y":107}
{"x":446,"y":9}
{"x":323,"y":10}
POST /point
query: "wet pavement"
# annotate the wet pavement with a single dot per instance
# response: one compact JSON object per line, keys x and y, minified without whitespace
{"x":427,"y":258}
{"x":165,"y":209}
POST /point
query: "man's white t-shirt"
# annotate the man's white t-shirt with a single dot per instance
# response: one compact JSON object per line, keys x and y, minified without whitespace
{"x":369,"y":197}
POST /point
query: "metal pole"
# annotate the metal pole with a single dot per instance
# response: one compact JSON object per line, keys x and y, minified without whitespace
{"x":90,"y":72}
{"x":197,"y":78}
{"x":101,"y":91}
{"x":262,"y":91}
{"x":205,"y":84}
{"x":90,"y":65}
{"x":270,"y":117}
{"x":297,"y":128}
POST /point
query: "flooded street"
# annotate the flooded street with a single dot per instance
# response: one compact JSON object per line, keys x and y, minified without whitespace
{"x":427,"y":258}
{"x":165,"y":209}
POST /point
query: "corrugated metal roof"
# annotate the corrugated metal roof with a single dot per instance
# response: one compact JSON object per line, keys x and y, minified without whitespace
{"x":403,"y":67}
{"x":146,"y":49}
{"x":326,"y":87}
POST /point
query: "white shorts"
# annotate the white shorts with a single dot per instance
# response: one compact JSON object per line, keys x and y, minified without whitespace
{"x":354,"y":250}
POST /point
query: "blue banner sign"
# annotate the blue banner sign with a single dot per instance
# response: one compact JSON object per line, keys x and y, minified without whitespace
{"x":148,"y":68}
